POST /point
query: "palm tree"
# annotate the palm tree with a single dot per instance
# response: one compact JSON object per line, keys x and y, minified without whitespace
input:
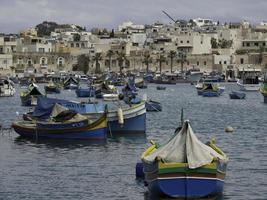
{"x":96,"y":58}
{"x":110,"y":53}
{"x":182,"y":58}
{"x":172,"y":55}
{"x":160,"y":60}
{"x":121,"y":58}
{"x":147,"y":60}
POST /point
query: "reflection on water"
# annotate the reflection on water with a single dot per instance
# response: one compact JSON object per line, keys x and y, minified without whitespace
{"x":58,"y":143}
{"x":148,"y":196}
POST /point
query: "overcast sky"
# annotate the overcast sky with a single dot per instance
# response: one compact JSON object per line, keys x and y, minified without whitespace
{"x":16,"y":15}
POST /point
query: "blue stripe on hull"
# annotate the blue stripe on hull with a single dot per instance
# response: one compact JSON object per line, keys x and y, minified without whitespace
{"x":186,"y":187}
{"x":98,"y":134}
{"x":134,"y":125}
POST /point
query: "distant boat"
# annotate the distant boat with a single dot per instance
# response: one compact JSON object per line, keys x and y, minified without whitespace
{"x":153,"y":106}
{"x":263,"y":88}
{"x":71,"y":83}
{"x":7,"y":88}
{"x":184,"y":167}
{"x":249,"y":80}
{"x":64,"y":124}
{"x":85,"y":92}
{"x":211,"y":90}
{"x":29,"y":97}
{"x":51,"y":87}
{"x":161,"y":88}
{"x":237,"y":95}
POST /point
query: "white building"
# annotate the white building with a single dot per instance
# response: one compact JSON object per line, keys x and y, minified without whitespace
{"x":203,"y":22}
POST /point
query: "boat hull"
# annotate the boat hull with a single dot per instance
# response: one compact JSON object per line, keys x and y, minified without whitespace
{"x":131,"y":126}
{"x":235,"y":95}
{"x":210,"y":93}
{"x":248,"y":87}
{"x":51,"y":90}
{"x":185,"y":187}
{"x":178,"y":181}
{"x":95,"y":131}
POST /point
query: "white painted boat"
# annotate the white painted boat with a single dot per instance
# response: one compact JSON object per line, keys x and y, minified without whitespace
{"x":248,"y":87}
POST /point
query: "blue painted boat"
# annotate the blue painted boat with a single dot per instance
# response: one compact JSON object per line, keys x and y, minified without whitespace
{"x":161,"y":88}
{"x":64,"y":125}
{"x":51,"y":88}
{"x":237,"y":95}
{"x":85,"y":92}
{"x":134,"y":116}
{"x":184,"y":167}
{"x":211,"y":90}
{"x":153,"y":106}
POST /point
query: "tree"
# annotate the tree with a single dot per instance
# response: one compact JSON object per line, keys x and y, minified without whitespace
{"x":147,"y":60}
{"x":160,"y":60}
{"x":214,"y":43}
{"x":121,"y":58}
{"x":96,"y":58}
{"x":182,"y":58}
{"x":82,"y":63}
{"x":110,"y":53}
{"x":172,"y":55}
{"x":76,"y":37}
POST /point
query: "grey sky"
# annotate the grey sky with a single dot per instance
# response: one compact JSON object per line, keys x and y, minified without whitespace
{"x":16,"y":15}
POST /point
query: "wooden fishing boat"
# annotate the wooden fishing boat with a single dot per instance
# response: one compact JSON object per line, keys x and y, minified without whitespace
{"x":161,"y":88}
{"x":51,"y":88}
{"x":153,"y":106}
{"x":65,"y":124}
{"x":29,"y":97}
{"x":132,"y":120}
{"x":184,"y":167}
{"x":211,"y":90}
{"x":237,"y":95}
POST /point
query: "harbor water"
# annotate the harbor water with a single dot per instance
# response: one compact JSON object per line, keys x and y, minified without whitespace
{"x":49,"y":169}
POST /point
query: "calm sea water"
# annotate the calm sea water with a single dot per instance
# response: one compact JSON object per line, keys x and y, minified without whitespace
{"x":48,"y":169}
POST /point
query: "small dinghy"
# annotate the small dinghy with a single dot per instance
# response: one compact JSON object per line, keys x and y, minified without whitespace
{"x":153,"y":106}
{"x":237,"y":95}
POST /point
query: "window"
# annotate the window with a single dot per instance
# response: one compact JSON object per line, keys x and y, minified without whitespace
{"x":220,"y":62}
{"x":205,"y":63}
{"x":256,"y":44}
{"x":263,"y":44}
{"x":77,"y":45}
{"x":225,"y":62}
{"x":71,"y":45}
{"x":248,"y":44}
{"x":181,"y":41}
{"x":197,"y":63}
{"x":242,"y":60}
{"x":188,"y":63}
{"x":187,"y":41}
